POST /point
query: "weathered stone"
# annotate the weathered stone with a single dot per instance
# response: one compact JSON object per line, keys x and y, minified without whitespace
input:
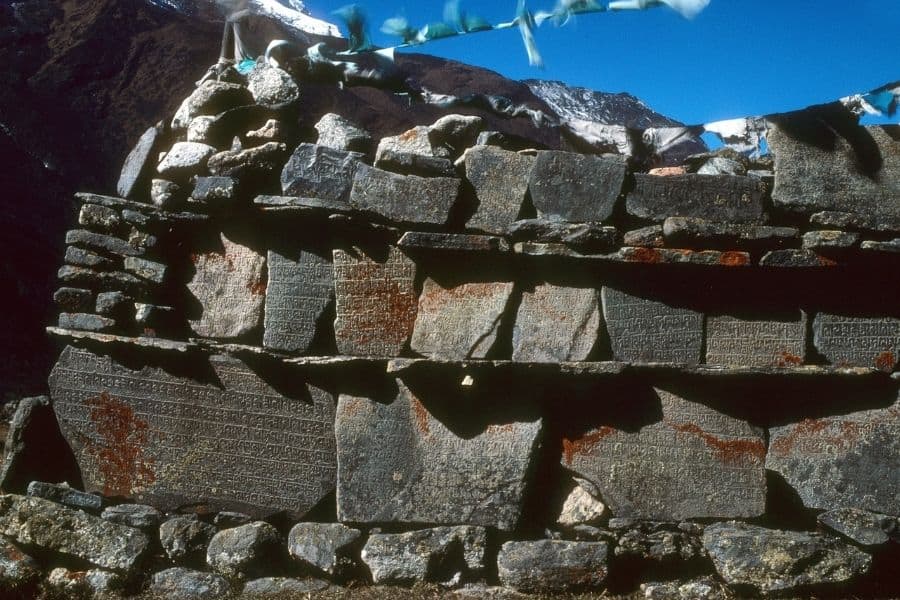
{"x":228,"y":519}
{"x":644,"y":330}
{"x":459,"y":322}
{"x":770,"y":560}
{"x":660,"y":545}
{"x":185,"y":539}
{"x":722,"y":198}
{"x":341,"y":134}
{"x":647,"y":237}
{"x":552,"y":566}
{"x":218,"y":192}
{"x":673,"y":256}
{"x":234,"y":123}
{"x":408,"y":163}
{"x":142,"y":240}
{"x":719,"y":165}
{"x":210,"y":98}
{"x":581,"y":506}
{"x":320,"y":172}
{"x":230,"y":285}
{"x":404,"y":199}
{"x":99,"y":280}
{"x":198,"y":130}
{"x":271,"y":131}
{"x":326,"y":547}
{"x":848,"y":221}
{"x":185,"y":159}
{"x":735,"y":341}
{"x":244,"y":551}
{"x":138,"y":165}
{"x":691,"y":232}
{"x":61,"y":493}
{"x":817,"y":168}
{"x":179,"y":583}
{"x":662,"y":470}
{"x":704,"y":588}
{"x":845,"y":460}
{"x":85,"y":258}
{"x":17,"y":570}
{"x":100,"y":218}
{"x":271,"y":87}
{"x":584,"y":237}
{"x":71,"y":533}
{"x":447,"y":555}
{"x":301,"y":206}
{"x":802,"y":259}
{"x":282,"y":587}
{"x":829,"y":240}
{"x":167,"y":440}
{"x":888,"y":247}
{"x":456,"y":132}
{"x":863,"y":527}
{"x":500,"y":179}
{"x":398,"y":463}
{"x":146,"y":269}
{"x":85,"y":322}
{"x":298,"y":292}
{"x":140,"y":516}
{"x":415,"y":141}
{"x":153,"y":318}
{"x":73,"y":300}
{"x":26,"y":443}
{"x":452,"y":242}
{"x":259,"y":161}
{"x":576,"y":187}
{"x":95,"y":583}
{"x":858,"y":341}
{"x":556,"y":324}
{"x":375,"y":302}
{"x":104,"y":243}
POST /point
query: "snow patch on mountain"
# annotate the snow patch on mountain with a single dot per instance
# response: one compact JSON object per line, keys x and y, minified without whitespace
{"x":291,"y":13}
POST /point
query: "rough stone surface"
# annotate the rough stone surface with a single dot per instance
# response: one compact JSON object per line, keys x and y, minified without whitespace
{"x":259,"y":161}
{"x":215,"y":191}
{"x":326,"y":547}
{"x":152,"y":271}
{"x":85,"y":322}
{"x":85,"y":258}
{"x":691,"y":232}
{"x":282,"y":587}
{"x":404,"y":199}
{"x":179,"y":583}
{"x":735,"y":341}
{"x":461,"y":321}
{"x":839,"y":461}
{"x":863,"y":527}
{"x":227,"y":519}
{"x":456,"y":132}
{"x":500,"y":179}
{"x":581,"y":507}
{"x":185,"y":539}
{"x":317,"y":171}
{"x":646,"y":237}
{"x":341,"y":134}
{"x":210,"y":98}
{"x":101,"y":218}
{"x":165,"y":194}
{"x":244,"y":551}
{"x":584,"y":237}
{"x":139,"y":516}
{"x":848,"y":221}
{"x":644,"y":330}
{"x":660,"y":545}
{"x":138,"y":165}
{"x":17,"y":569}
{"x":722,"y":198}
{"x":157,"y":436}
{"x":271,"y":131}
{"x":826,"y":240}
{"x":802,"y":259}
{"x":271,"y":87}
{"x":888,"y":247}
{"x":553,"y":566}
{"x":29,"y":444}
{"x":73,"y":300}
{"x":198,"y":130}
{"x":298,"y":292}
{"x":662,"y":469}
{"x":453,"y":242}
{"x":556,"y":324}
{"x":61,"y":493}
{"x":858,"y":341}
{"x":185,"y":159}
{"x":71,"y":532}
{"x":230,"y":287}
{"x":101,"y":242}
{"x":99,"y":280}
{"x":416,"y":141}
{"x":95,"y":583}
{"x":576,"y":187}
{"x":375,"y":302}
{"x":444,"y":554}
{"x":398,"y":463}
{"x":769,"y":560}
{"x":704,"y":588}
{"x":111,"y":304}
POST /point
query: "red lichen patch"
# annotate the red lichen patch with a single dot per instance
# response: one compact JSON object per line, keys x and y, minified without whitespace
{"x":421,"y":415}
{"x":826,"y":262}
{"x":885,"y":361}
{"x":784,"y":358}
{"x":807,"y":427}
{"x":120,"y":451}
{"x":731,"y":452}
{"x":645,"y":255}
{"x":507,"y":428}
{"x":257,"y":288}
{"x":408,"y":136}
{"x":734,"y":259}
{"x":585,"y":443}
{"x":211,"y":258}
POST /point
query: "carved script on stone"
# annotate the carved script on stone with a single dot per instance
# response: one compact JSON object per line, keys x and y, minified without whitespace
{"x":858,"y":341}
{"x":722,"y":198}
{"x":296,"y":296}
{"x":732,"y":341}
{"x":556,"y":324}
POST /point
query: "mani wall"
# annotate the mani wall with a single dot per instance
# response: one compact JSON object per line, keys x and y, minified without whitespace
{"x":441,"y":357}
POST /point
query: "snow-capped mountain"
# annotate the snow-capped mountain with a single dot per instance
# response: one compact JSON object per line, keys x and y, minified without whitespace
{"x":293,"y":14}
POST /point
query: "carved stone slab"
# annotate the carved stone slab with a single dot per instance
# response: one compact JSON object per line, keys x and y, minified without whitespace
{"x":375,"y":302}
{"x":693,"y":463}
{"x":576,"y":187}
{"x":858,"y":341}
{"x":556,"y":324}
{"x":842,"y":461}
{"x":161,"y":438}
{"x":404,"y":199}
{"x":297,"y":294}
{"x":810,"y":176}
{"x":643,"y":330}
{"x":732,"y":341}
{"x":398,"y":463}
{"x":230,"y":286}
{"x":723,"y":198}
{"x":459,"y":322}
{"x":500,"y":179}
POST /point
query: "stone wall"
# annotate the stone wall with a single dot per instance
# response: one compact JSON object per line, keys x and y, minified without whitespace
{"x":440,"y":356}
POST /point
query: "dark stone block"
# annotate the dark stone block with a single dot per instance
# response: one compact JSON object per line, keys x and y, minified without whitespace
{"x":576,"y":187}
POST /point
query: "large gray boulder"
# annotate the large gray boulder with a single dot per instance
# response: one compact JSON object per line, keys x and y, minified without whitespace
{"x":447,"y":555}
{"x":553,"y":566}
{"x":342,"y":134}
{"x":185,"y":159}
{"x":316,"y":171}
{"x":210,"y":98}
{"x":272,"y":87}
{"x":244,"y":551}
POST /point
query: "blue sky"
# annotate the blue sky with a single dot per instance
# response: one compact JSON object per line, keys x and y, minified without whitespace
{"x":737,"y":58}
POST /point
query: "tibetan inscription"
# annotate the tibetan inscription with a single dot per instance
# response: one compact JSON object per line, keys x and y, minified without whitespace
{"x":643,"y":330}
{"x":858,"y":341}
{"x":693,"y":463}
{"x":375,"y":302}
{"x":398,"y":463}
{"x":556,"y":324}
{"x":298,"y":292}
{"x":720,"y":198}
{"x":155,"y":437}
{"x":733,"y":341}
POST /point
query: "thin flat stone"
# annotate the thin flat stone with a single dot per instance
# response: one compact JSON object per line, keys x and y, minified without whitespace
{"x":63,"y":494}
{"x":722,"y":198}
{"x":829,"y":240}
{"x":98,"y":217}
{"x":139,"y":164}
{"x":85,"y":258}
{"x":858,"y":341}
{"x":453,"y":242}
{"x":672,"y":256}
{"x":142,"y":208}
{"x":796,"y":259}
{"x":889,"y":247}
{"x":404,"y":199}
{"x":584,"y":237}
{"x":732,"y":340}
{"x":556,"y":324}
{"x":500,"y":179}
{"x":109,"y":339}
{"x":102,"y":242}
{"x":848,"y":221}
{"x":301,"y":205}
{"x":152,"y":271}
{"x":298,"y":292}
{"x":691,"y":232}
{"x":647,"y":237}
{"x":85,"y":322}
{"x":73,"y":300}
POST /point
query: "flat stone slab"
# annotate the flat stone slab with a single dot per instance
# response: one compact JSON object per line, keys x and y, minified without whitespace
{"x":644,"y":330}
{"x":736,"y":341}
{"x":138,"y":165}
{"x":863,"y":527}
{"x":500,"y":179}
{"x":453,"y":242}
{"x":230,"y":286}
{"x":461,"y":321}
{"x":722,"y":198}
{"x":299,"y":290}
{"x":576,"y":187}
{"x":375,"y":302}
{"x":397,"y":463}
{"x":848,"y":221}
{"x":841,"y":461}
{"x":553,"y":566}
{"x":403,"y":199}
{"x":858,"y":341}
{"x":320,"y":172}
{"x":691,"y":232}
{"x":819,"y":170}
{"x":694,"y":462}
{"x":166,"y":440}
{"x":556,"y":324}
